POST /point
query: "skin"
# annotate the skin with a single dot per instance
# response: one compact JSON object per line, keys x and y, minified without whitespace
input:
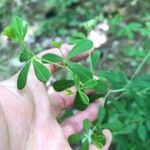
{"x":28,"y":116}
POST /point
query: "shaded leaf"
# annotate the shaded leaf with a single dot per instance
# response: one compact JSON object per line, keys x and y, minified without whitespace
{"x":83,"y":72}
{"x":78,"y":102}
{"x":142,"y":132}
{"x":84,"y":146}
{"x":101,"y":114}
{"x":89,"y":84}
{"x":22,"y":78}
{"x":61,"y":85}
{"x":25,"y":55}
{"x":75,"y":138}
{"x":94,"y":58}
{"x":87,"y":125}
{"x":113,"y":126}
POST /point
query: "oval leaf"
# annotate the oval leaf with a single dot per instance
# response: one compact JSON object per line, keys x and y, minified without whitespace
{"x":51,"y":58}
{"x":84,"y":98}
{"x":85,"y":146}
{"x":87,"y":125}
{"x":22,"y":78}
{"x":83,"y":72}
{"x":61,"y":85}
{"x":81,"y":47}
{"x":78,"y":103}
{"x":25,"y":55}
{"x":89,"y":85}
{"x":75,"y":138}
{"x":101,"y":114}
{"x":41,"y":72}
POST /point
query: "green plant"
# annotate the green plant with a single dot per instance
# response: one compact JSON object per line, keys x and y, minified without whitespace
{"x":112,"y":86}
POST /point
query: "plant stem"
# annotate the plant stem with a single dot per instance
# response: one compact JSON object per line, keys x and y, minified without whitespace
{"x":139,"y":69}
{"x":130,"y":81}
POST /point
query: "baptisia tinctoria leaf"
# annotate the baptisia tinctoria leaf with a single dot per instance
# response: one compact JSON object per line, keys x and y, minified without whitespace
{"x":51,"y":58}
{"x":41,"y":72}
{"x":22,"y":78}
{"x":17,"y":30}
{"x":81,"y":47}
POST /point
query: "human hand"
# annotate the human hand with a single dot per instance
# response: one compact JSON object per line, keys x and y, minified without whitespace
{"x":28,"y":117}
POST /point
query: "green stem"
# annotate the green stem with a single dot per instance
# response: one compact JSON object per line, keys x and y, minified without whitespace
{"x":139,"y":69}
{"x":130,"y":81}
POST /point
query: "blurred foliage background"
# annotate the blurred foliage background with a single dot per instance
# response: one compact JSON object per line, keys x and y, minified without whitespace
{"x":121,"y":31}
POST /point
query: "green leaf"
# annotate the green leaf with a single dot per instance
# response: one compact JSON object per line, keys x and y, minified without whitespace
{"x":77,"y":81}
{"x":83,"y":72}
{"x":94,"y":58}
{"x":41,"y":72}
{"x":56,"y":44}
{"x":85,"y":146}
{"x":75,"y":138}
{"x":52,"y":58}
{"x":84,"y":97}
{"x":113,"y":126}
{"x":9,"y":32}
{"x":87,"y":125}
{"x":101,"y":114}
{"x":25,"y":55}
{"x":98,"y":140}
{"x":142,"y":132}
{"x":78,"y":102}
{"x":89,"y":84}
{"x":22,"y":78}
{"x":17,"y":30}
{"x":81,"y":47}
{"x":61,"y":85}
{"x":101,"y":87}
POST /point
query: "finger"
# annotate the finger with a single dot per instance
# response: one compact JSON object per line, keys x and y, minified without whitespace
{"x":60,"y":100}
{"x":75,"y":123}
{"x":108,"y":137}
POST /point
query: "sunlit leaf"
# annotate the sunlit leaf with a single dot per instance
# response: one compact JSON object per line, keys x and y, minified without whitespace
{"x":81,"y":47}
{"x":42,"y":73}
{"x":51,"y":58}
